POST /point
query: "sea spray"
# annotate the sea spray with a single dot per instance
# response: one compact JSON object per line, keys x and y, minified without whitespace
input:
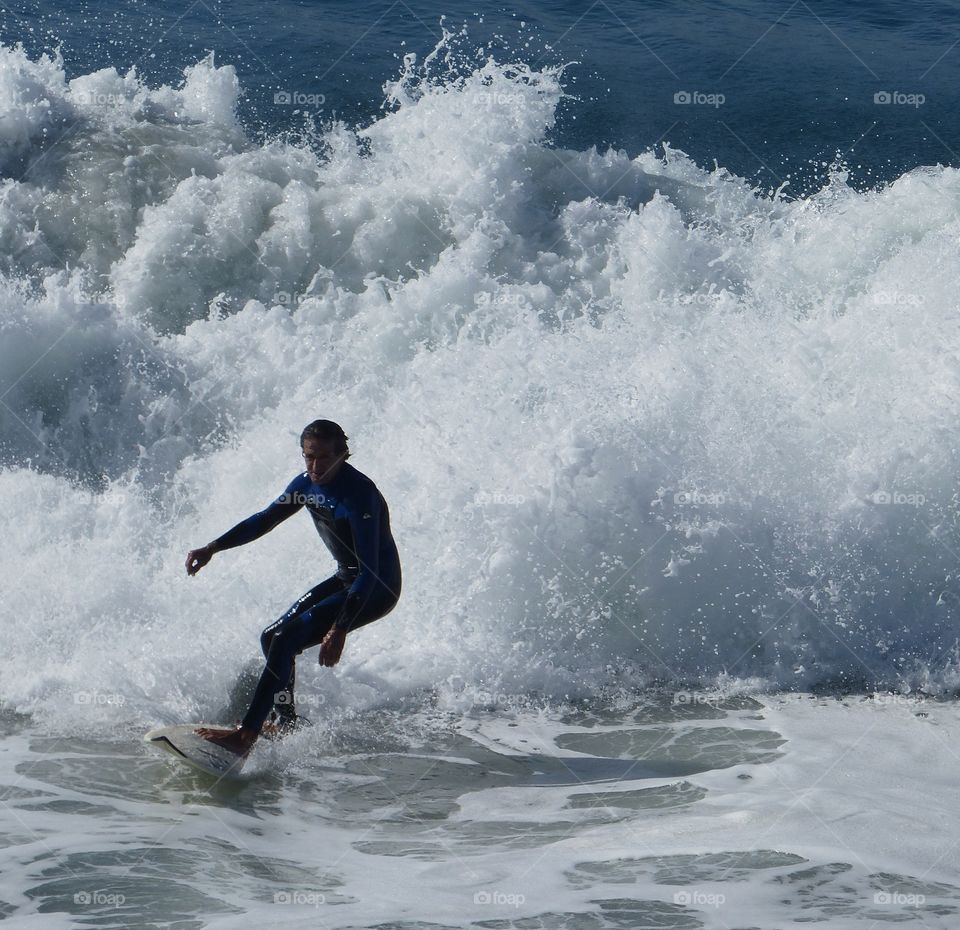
{"x":636,"y":422}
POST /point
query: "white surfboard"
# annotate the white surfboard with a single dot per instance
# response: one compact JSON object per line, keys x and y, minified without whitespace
{"x":183,"y":743}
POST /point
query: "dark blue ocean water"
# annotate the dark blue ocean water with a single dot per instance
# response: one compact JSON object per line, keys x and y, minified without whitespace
{"x":777,"y":91}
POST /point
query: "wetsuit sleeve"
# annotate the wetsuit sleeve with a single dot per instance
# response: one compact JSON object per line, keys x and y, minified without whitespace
{"x":286,"y":505}
{"x":365,"y":518}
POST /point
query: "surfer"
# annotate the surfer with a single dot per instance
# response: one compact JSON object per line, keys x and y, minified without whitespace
{"x":352,"y":519}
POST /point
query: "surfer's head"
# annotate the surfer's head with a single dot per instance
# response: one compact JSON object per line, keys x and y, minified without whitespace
{"x":324,"y":447}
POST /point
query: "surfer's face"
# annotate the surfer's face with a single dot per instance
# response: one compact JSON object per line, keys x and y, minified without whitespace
{"x":322,"y":459}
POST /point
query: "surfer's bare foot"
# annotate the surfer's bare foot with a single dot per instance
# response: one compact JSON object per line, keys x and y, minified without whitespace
{"x":239,"y":741}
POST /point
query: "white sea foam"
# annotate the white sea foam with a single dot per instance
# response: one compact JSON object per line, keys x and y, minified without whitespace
{"x":634,"y":419}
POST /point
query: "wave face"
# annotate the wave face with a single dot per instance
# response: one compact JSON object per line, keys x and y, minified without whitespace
{"x":636,"y":421}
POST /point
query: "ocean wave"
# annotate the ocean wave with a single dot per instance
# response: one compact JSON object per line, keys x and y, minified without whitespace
{"x":636,"y":420}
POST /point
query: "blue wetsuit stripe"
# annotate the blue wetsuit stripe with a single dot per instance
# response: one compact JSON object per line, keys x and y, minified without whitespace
{"x":365,"y":524}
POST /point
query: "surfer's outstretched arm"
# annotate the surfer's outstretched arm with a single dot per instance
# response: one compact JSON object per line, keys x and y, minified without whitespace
{"x":286,"y":505}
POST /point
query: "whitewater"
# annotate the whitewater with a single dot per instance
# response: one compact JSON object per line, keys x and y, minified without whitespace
{"x":666,"y":455}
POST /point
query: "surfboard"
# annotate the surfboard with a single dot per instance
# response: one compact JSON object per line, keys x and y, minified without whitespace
{"x":182,"y":743}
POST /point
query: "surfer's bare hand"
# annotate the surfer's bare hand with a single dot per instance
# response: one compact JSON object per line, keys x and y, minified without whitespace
{"x":197,"y":558}
{"x":332,"y":647}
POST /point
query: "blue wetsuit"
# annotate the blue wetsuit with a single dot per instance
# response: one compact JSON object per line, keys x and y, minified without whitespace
{"x":352,"y":519}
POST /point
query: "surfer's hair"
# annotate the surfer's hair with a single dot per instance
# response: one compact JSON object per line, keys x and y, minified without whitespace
{"x":326,"y":431}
